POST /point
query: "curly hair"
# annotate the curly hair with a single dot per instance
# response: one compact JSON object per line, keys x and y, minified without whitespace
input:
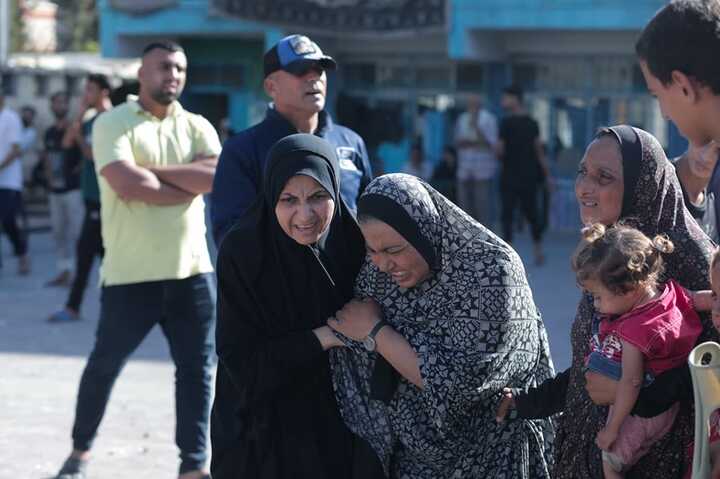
{"x":621,"y":258}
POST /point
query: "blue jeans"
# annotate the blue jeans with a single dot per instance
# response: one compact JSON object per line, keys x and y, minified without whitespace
{"x":185,"y":310}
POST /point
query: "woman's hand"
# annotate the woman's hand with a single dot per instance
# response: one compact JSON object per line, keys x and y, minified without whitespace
{"x":356,"y":319}
{"x":505,"y":405}
{"x":605,"y":438}
{"x":327,"y":338}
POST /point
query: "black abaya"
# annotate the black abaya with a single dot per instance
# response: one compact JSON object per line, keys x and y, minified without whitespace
{"x":275,"y":414}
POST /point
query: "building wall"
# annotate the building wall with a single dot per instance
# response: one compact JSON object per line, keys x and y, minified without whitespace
{"x":211,"y":42}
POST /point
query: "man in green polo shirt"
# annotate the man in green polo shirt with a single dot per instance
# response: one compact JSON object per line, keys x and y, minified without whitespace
{"x":154,"y":162}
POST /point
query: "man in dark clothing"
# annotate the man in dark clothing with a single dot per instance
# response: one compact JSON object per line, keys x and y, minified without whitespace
{"x":694,"y":170}
{"x":62,"y":171}
{"x":89,"y":244}
{"x":524,"y":168}
{"x":295,"y":79}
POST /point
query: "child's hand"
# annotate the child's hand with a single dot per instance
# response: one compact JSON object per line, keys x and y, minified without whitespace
{"x":702,"y":300}
{"x":605,"y":438}
{"x":505,"y":405}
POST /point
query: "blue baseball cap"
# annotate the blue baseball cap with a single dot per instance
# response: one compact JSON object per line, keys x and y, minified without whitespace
{"x":296,"y":54}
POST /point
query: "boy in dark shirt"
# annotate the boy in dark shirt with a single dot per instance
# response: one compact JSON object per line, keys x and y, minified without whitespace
{"x":524,"y":168}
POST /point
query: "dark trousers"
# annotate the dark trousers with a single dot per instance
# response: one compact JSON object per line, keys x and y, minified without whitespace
{"x":89,"y":245}
{"x":526,"y":197}
{"x":10,"y":209}
{"x":185,"y":310}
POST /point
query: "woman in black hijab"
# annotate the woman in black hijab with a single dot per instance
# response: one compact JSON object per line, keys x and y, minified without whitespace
{"x":287,"y":266}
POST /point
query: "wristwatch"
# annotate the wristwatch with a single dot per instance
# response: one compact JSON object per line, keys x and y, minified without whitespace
{"x":369,"y":341}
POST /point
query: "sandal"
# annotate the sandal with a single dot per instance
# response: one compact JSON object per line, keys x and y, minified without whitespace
{"x":73,"y":468}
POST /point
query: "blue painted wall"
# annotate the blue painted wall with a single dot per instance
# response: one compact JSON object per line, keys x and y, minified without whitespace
{"x":191,"y":23}
{"x":189,"y":17}
{"x":466,"y":15}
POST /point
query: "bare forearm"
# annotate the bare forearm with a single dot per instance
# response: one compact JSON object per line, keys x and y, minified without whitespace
{"x":625,"y":399}
{"x":161,"y":195}
{"x":149,"y":189}
{"x":196,"y":177}
{"x":72,"y":134}
{"x":398,"y":352}
{"x":84,"y":147}
{"x":542,"y":159}
{"x":13,"y":155}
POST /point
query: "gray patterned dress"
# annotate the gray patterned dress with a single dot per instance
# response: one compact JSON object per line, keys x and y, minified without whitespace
{"x":475,"y":328}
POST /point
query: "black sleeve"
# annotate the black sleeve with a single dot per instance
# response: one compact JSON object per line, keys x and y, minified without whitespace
{"x":502,"y":131}
{"x":259,"y":366}
{"x":535,"y":129}
{"x":544,"y":400}
{"x":667,"y":389}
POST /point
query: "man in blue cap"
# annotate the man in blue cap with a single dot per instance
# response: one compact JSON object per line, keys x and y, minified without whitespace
{"x":295,"y":79}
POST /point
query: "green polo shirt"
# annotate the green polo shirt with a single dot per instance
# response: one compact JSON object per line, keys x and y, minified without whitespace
{"x":145,"y":242}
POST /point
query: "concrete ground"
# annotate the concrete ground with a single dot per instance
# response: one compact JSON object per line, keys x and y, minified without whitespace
{"x":41,"y":363}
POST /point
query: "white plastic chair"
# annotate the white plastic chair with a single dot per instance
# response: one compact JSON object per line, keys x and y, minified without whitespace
{"x":704,"y":363}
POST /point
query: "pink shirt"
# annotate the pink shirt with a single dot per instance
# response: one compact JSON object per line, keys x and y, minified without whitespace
{"x":665,"y":330}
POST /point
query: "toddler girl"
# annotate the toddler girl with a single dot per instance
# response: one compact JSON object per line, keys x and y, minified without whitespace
{"x":642,"y":329}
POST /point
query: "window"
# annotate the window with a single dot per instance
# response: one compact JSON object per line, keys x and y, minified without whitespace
{"x":525,"y":75}
{"x":394,"y":75}
{"x":72,"y":85}
{"x":216,"y":74}
{"x":9,"y":83}
{"x":41,"y":85}
{"x":432,"y":77}
{"x":359,"y":75}
{"x":470,"y":76}
{"x":611,"y":74}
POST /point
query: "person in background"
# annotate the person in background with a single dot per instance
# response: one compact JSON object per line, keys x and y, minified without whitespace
{"x":476,"y":138}
{"x":444,"y":178}
{"x":155,"y":161}
{"x":524,"y":167}
{"x":416,"y":164}
{"x":296,"y":81}
{"x":694,"y":170}
{"x":62,"y":171}
{"x":11,"y":183}
{"x":28,"y":141}
{"x":95,"y":100}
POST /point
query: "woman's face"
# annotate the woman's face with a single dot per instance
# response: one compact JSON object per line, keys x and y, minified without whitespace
{"x":599,"y":185}
{"x":304,"y":209}
{"x":393,"y":254}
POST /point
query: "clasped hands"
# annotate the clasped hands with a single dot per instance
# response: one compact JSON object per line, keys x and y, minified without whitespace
{"x":356,"y":319}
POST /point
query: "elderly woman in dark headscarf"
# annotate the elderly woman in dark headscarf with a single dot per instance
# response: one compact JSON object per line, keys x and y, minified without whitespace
{"x":287,"y":266}
{"x":445,"y":321}
{"x":625,"y":176}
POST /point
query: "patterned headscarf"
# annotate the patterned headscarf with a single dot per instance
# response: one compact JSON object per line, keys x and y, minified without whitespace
{"x":653,"y":203}
{"x":475,"y":328}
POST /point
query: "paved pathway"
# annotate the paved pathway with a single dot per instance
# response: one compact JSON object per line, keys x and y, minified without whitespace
{"x":40,"y":365}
